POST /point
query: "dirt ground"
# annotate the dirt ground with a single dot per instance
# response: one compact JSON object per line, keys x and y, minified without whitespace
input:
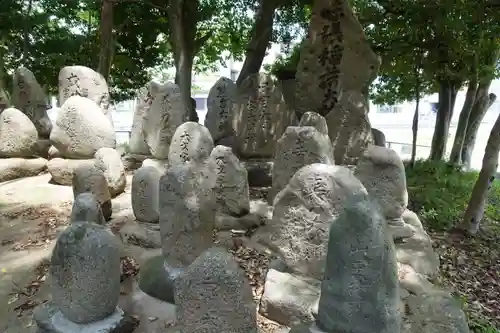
{"x":33,"y":212}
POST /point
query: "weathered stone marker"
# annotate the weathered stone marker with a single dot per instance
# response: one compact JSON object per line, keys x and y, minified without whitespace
{"x":359,"y":291}
{"x":383,"y":174}
{"x":145,"y":194}
{"x":85,"y":283}
{"x":87,"y":208}
{"x":214,"y":295}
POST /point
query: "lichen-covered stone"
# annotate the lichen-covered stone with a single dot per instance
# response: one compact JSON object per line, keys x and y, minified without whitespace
{"x":87,"y":178}
{"x":378,"y":137}
{"x":157,"y":279}
{"x":383,"y":174}
{"x":13,"y":168}
{"x":85,"y":273}
{"x":18,"y":135}
{"x":219,"y":108}
{"x":335,"y":70}
{"x":191,"y":142}
{"x":335,"y":57}
{"x":349,"y":127}
{"x":86,"y":208}
{"x":303,"y":213}
{"x":187,"y":213}
{"x":62,"y":169}
{"x":231,"y":182}
{"x":315,"y":120}
{"x":260,"y":116}
{"x":167,"y":112}
{"x":214,"y":294}
{"x":137,"y":143}
{"x":81,"y":129}
{"x":85,"y":82}
{"x":359,"y":291}
{"x":145,"y":193}
{"x":29,"y":97}
{"x":298,"y":147}
{"x":109,"y":161}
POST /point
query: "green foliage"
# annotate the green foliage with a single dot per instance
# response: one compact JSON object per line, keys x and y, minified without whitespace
{"x":441,"y":37}
{"x":285,"y":63}
{"x":439,"y":193}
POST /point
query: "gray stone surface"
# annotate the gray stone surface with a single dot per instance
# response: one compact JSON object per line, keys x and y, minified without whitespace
{"x":29,"y":97}
{"x":219,"y":115}
{"x":167,"y":112}
{"x":288,"y":299}
{"x":378,"y":137}
{"x":109,"y":161}
{"x":335,"y":70}
{"x":86,"y":208}
{"x":315,"y":120}
{"x":349,"y":127}
{"x":359,"y":291}
{"x":231,"y":182}
{"x":191,"y":142}
{"x":87,"y":178}
{"x":303,"y":213}
{"x":298,"y":147}
{"x":187,"y":213}
{"x":157,"y":279}
{"x":18,"y":135}
{"x":433,"y":313}
{"x":334,"y":58}
{"x":85,"y":82}
{"x":417,"y":250}
{"x":383,"y":174}
{"x":85,"y":273}
{"x":137,"y":143}
{"x":214,"y":294}
{"x":13,"y":168}
{"x":228,"y":222}
{"x":160,"y":165}
{"x":145,"y":194}
{"x":81,"y":129}
{"x":260,"y":116}
{"x":62,"y":169}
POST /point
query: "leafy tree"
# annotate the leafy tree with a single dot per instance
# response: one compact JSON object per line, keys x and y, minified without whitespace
{"x":277,"y":21}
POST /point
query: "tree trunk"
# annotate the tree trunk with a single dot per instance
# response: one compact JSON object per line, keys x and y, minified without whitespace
{"x":414,"y":127}
{"x":105,"y":39}
{"x":481,"y":106}
{"x":463,"y":121}
{"x":477,"y":203}
{"x":447,"y":96}
{"x":261,"y":35}
{"x":26,"y":41}
{"x":4,"y":95}
{"x":183,"y":17}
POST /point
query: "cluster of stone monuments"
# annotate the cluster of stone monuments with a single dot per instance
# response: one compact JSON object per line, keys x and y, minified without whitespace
{"x":350,"y":256}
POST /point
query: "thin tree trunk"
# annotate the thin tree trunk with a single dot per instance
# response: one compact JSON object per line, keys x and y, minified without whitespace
{"x":261,"y":35}
{"x":183,"y":78}
{"x":447,"y":96}
{"x":482,"y":103}
{"x":463,"y":121}
{"x":4,"y":95}
{"x":26,"y":41}
{"x":414,"y":127}
{"x":481,"y":106}
{"x":105,"y":39}
{"x":477,"y":203}
{"x":183,"y":17}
